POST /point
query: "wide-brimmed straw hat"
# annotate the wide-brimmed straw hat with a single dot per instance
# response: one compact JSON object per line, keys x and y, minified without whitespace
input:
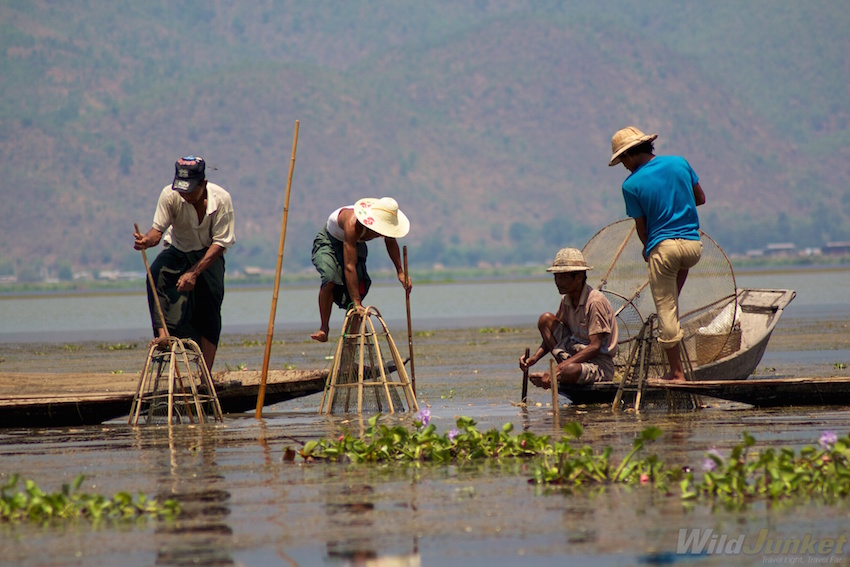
{"x":383,"y":216}
{"x":569,"y":260}
{"x":626,"y":138}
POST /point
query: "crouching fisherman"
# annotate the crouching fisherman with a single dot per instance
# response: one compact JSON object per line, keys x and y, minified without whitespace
{"x":582,"y":335}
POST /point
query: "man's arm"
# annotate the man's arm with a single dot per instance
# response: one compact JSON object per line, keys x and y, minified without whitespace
{"x":148,"y":240}
{"x":351,"y":228}
{"x":395,"y":256}
{"x":187,"y":281}
{"x":699,"y":194}
{"x":640,"y":226}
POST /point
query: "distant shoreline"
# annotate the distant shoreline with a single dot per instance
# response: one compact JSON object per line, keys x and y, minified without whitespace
{"x":441,"y":276}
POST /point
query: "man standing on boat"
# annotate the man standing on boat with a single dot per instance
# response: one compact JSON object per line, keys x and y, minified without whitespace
{"x":582,"y":335}
{"x":662,"y":194}
{"x":339,"y":254}
{"x":189,"y":272}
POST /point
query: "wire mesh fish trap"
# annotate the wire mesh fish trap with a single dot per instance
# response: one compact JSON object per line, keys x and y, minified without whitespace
{"x":175,"y":387}
{"x":367,"y":374}
{"x":708,"y":308}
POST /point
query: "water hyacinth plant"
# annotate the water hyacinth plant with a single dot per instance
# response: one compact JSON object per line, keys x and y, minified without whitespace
{"x":774,"y":474}
{"x":382,"y":443}
{"x":33,"y":504}
{"x":741,"y":477}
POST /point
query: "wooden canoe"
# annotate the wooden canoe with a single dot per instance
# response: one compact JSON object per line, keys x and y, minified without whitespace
{"x":55,"y":400}
{"x":759,"y":312}
{"x":759,"y":392}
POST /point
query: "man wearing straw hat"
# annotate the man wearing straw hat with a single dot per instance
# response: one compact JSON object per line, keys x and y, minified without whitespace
{"x":662,"y":194}
{"x":582,"y":335}
{"x":339,"y":254}
{"x":189,"y":272}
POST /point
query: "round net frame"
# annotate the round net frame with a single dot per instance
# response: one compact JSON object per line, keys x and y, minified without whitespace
{"x":708,"y":308}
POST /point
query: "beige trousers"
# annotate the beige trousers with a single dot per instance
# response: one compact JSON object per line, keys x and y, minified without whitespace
{"x":665,"y":261}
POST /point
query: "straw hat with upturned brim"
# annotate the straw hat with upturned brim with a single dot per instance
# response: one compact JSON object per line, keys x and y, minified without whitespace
{"x":569,"y":260}
{"x":383,"y":216}
{"x":626,"y":138}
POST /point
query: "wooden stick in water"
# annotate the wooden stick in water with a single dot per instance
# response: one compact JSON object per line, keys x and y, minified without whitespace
{"x":553,"y":382}
{"x":525,"y":378}
{"x":409,"y":327}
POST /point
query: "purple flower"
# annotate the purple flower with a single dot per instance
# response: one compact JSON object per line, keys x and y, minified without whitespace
{"x":453,"y":432}
{"x":425,"y":417}
{"x":710,"y":464}
{"x":828,"y":439}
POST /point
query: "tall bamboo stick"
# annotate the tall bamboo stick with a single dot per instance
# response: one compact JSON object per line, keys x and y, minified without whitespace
{"x":261,"y":395}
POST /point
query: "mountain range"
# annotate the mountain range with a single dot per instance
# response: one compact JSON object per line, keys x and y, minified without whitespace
{"x":489,"y":121}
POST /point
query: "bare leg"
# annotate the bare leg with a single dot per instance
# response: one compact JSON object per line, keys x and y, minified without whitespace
{"x":326,"y":301}
{"x":567,"y":372}
{"x":208,"y":349}
{"x":677,"y":371}
{"x":546,"y":324}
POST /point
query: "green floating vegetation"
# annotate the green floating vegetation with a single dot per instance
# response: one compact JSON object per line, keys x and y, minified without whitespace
{"x":821,"y":472}
{"x":117,"y":346}
{"x":743,"y":476}
{"x":34,"y":505}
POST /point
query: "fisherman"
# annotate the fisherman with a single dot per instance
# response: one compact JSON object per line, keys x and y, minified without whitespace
{"x":339,"y":254}
{"x":582,"y":335}
{"x":662,"y":194}
{"x":189,"y":272}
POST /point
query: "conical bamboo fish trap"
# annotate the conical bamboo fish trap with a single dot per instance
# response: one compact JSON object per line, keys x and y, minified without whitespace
{"x":175,"y":386}
{"x":358,"y":379}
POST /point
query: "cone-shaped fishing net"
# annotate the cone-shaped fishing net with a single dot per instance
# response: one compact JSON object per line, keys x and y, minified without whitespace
{"x":368,"y":371}
{"x":708,"y":309}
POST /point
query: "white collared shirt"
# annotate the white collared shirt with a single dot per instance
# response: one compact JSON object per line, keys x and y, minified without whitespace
{"x":178,"y":220}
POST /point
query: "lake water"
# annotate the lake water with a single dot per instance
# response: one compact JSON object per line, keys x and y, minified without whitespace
{"x":120,"y":316}
{"x":245,"y":506}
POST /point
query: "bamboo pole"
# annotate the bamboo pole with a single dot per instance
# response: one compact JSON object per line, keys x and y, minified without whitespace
{"x":261,"y":395}
{"x":409,"y":327}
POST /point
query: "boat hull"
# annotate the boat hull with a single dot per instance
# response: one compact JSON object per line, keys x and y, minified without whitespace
{"x":760,"y":312}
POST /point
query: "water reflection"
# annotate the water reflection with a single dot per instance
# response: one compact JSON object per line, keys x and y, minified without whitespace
{"x":190,"y":474}
{"x":362,"y":532}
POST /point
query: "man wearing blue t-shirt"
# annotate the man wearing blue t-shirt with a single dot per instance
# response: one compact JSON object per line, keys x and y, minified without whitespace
{"x":662,"y":194}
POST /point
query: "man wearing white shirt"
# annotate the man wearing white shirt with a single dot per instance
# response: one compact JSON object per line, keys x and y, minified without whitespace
{"x":189,"y":272}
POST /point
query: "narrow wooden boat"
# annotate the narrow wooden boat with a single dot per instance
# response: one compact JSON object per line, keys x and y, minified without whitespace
{"x":759,"y":311}
{"x":56,"y":400}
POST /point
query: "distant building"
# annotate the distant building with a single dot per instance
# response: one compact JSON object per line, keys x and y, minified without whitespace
{"x":780,"y":249}
{"x":836,"y":249}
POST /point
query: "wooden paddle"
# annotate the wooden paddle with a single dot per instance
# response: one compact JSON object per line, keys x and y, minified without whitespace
{"x":261,"y":395}
{"x":153,"y":286}
{"x":525,"y":378}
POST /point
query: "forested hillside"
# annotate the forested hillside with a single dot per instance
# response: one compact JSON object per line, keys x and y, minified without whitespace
{"x":489,"y":121}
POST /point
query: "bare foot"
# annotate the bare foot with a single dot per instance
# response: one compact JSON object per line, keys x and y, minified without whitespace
{"x":540,"y":380}
{"x":320,"y":336}
{"x":668,"y":378}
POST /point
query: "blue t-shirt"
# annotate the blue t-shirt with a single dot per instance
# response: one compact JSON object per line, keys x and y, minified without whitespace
{"x":662,"y":191}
